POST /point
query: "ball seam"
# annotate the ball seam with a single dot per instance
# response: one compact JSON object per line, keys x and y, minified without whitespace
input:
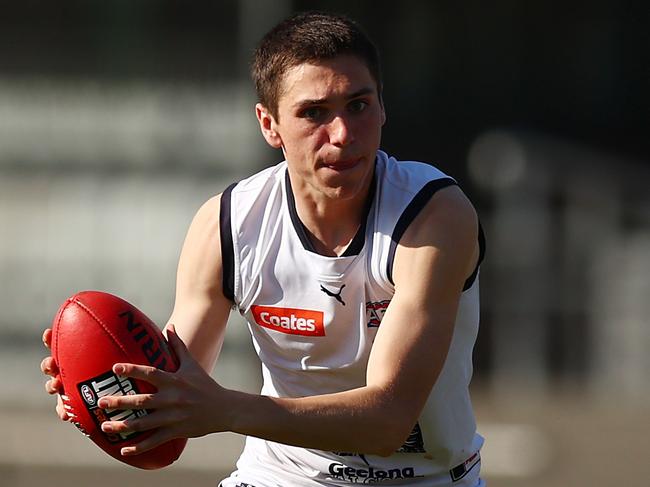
{"x":101,"y":323}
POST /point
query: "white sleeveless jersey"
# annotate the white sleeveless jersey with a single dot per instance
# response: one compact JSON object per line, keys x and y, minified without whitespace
{"x":313,"y":319}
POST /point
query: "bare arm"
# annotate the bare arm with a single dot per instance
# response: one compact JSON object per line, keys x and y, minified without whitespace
{"x":187,"y":399}
{"x":433,"y":259}
{"x":201,"y":310}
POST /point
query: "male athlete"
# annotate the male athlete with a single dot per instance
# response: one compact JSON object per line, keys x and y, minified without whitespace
{"x":357,"y":275}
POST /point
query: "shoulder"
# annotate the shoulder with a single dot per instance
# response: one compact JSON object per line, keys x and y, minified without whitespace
{"x":203,"y":233}
{"x":436,"y":194}
{"x":419,"y":207}
{"x":408,"y":176}
{"x":447,"y":210}
{"x":251,"y":196}
{"x":264,"y":178}
{"x":202,"y":247}
{"x":208,"y":212}
{"x":447,"y":224}
{"x":442,"y":241}
{"x":438,"y":225}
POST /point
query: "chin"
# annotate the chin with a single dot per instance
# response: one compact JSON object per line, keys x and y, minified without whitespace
{"x":346,"y":190}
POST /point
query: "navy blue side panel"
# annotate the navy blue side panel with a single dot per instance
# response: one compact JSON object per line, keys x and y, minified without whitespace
{"x":227,"y":250}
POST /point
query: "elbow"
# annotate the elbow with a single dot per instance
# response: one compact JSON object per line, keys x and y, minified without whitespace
{"x":386,"y":448}
{"x":391,"y":426}
{"x":393,"y":435}
{"x":385,"y":451}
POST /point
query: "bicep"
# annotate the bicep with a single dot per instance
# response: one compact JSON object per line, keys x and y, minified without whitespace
{"x":432,"y":261}
{"x":200,"y":309}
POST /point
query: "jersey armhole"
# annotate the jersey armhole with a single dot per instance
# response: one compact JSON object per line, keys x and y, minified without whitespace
{"x":481,"y":255}
{"x":227,"y":248}
{"x":406,"y":218}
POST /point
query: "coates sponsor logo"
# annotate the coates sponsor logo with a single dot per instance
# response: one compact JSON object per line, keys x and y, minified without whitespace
{"x":375,"y":312}
{"x":369,"y":475}
{"x":290,"y":320}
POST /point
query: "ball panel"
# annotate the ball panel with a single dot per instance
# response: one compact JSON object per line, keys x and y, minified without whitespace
{"x":92,"y":331}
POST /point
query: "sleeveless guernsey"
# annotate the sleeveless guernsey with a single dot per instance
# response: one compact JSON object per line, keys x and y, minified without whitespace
{"x":313,"y":319}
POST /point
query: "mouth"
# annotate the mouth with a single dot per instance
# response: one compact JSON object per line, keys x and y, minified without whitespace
{"x":342,"y":165}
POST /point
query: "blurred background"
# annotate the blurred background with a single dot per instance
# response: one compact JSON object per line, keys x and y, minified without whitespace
{"x":118,"y":119}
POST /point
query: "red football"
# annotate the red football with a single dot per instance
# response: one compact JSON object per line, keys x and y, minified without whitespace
{"x":92,"y":331}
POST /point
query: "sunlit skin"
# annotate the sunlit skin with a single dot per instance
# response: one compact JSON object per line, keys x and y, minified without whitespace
{"x":329,"y":124}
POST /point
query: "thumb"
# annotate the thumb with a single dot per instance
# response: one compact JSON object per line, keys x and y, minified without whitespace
{"x":177,"y":345}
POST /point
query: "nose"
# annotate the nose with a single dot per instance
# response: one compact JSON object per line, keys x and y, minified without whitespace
{"x":340,"y":131}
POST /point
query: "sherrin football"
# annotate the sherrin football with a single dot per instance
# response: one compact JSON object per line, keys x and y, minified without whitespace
{"x":91,"y":332}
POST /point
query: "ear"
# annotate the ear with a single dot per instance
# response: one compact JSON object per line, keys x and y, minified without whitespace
{"x":383,"y":114}
{"x":268,"y":126}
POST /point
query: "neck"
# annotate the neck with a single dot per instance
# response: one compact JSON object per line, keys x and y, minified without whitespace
{"x":330,"y":222}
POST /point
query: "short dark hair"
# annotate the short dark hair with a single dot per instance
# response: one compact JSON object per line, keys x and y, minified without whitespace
{"x":305,"y":37}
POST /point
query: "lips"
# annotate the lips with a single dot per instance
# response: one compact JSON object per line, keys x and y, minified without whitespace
{"x":342,"y":165}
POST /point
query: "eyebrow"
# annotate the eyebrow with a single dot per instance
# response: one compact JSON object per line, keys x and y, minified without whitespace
{"x":310,"y":102}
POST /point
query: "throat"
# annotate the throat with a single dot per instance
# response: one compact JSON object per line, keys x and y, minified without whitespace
{"x":337,"y":230}
{"x":335,"y":245}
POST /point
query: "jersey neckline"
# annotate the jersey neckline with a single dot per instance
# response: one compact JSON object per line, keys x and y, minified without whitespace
{"x":359,"y":239}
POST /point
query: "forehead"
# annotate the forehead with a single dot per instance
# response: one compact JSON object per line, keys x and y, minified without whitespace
{"x":325,"y":79}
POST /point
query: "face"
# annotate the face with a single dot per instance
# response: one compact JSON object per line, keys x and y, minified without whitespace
{"x":328,"y":125}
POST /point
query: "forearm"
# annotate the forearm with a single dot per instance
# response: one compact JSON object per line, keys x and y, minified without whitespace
{"x":363,"y":420}
{"x":204,"y":341}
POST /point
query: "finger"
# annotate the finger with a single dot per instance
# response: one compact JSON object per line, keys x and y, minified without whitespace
{"x":143,"y":372}
{"x":62,"y":412}
{"x":147,"y":422}
{"x":54,"y":386}
{"x":47,"y":338}
{"x":156,"y":439}
{"x":49,"y":367}
{"x":134,"y":401}
{"x":177,"y":344}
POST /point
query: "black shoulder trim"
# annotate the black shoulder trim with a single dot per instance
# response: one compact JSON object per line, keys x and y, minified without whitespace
{"x":227,"y":249}
{"x":481,"y":255}
{"x":412,"y":210}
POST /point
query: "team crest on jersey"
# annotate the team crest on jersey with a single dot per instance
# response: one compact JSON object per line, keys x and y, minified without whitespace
{"x":414,"y":443}
{"x":292,"y":321}
{"x":375,"y":312}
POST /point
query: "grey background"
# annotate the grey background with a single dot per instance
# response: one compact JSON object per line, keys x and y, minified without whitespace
{"x":118,"y":119}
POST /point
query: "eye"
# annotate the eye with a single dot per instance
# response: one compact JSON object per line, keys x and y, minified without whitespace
{"x":356,"y":106}
{"x":313,"y":113}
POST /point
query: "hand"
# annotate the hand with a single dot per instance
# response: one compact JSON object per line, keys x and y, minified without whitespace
{"x":186,"y":405}
{"x":53,"y":385}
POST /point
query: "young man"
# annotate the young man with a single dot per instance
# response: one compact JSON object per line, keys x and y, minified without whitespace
{"x":357,"y":275}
